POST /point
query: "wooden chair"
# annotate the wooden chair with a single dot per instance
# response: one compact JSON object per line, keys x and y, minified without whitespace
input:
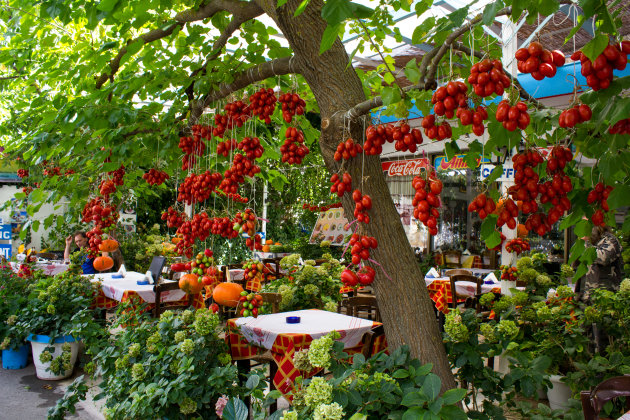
{"x":593,"y":401}
{"x":368,"y":340}
{"x":453,"y":259}
{"x":469,"y":302}
{"x":362,"y":305}
{"x":164,"y":286}
{"x":48,"y":255}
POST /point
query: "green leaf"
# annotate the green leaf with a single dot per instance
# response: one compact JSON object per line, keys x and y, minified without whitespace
{"x":431,"y":386}
{"x":451,"y":149}
{"x":131,"y":50}
{"x":493,"y":240}
{"x":452,"y":412}
{"x":453,"y":395}
{"x":548,"y":7}
{"x":413,"y":398}
{"x":300,"y":9}
{"x":107,"y":5}
{"x":583,"y":228}
{"x":235,"y":409}
{"x":390,"y":95}
{"x":595,"y":46}
{"x":252,"y":382}
{"x":358,"y":416}
{"x":414,"y":413}
{"x":412,"y":72}
{"x":474,"y":153}
{"x":571,"y":219}
{"x":576,"y":250}
{"x":619,"y":197}
{"x":495,"y":174}
{"x":490,"y":12}
{"x":401,"y":373}
{"x":488,"y":225}
{"x":329,"y":37}
{"x":281,"y":3}
{"x":337,"y":11}
{"x":108,"y":45}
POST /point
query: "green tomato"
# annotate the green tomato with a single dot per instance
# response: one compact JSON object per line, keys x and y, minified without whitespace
{"x":246,"y":312}
{"x":243,"y":293}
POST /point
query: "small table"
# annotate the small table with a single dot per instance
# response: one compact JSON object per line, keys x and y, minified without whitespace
{"x":248,"y":337}
{"x":117,"y":290}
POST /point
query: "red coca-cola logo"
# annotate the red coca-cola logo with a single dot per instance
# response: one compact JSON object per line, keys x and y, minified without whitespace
{"x":405,"y":167}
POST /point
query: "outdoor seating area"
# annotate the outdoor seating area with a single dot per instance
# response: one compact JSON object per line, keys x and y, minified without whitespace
{"x":315,"y":210}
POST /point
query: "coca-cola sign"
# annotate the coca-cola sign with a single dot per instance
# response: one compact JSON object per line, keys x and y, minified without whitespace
{"x":405,"y":167}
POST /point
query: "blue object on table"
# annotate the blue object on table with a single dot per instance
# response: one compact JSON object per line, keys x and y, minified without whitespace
{"x":117,"y":276}
{"x":142,"y":282}
{"x":293,"y":320}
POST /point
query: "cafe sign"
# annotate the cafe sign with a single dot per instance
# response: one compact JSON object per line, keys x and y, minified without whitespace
{"x":442,"y":163}
{"x":405,"y":167}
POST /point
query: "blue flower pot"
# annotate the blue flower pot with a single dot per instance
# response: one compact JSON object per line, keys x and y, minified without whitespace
{"x":16,"y":359}
{"x":39,"y":343}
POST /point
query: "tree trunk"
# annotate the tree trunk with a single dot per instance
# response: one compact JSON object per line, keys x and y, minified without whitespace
{"x":403,"y":300}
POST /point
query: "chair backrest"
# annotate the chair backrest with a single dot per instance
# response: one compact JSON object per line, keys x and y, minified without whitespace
{"x":358,"y":305}
{"x":464,"y":277}
{"x":453,"y":258}
{"x":457,"y":271}
{"x":48,"y":255}
{"x":593,"y":401}
{"x":368,"y":340}
{"x":157,"y":264}
{"x":274,"y":299}
{"x":164,"y":286}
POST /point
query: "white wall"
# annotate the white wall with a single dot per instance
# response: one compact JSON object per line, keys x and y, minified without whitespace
{"x":7,"y":192}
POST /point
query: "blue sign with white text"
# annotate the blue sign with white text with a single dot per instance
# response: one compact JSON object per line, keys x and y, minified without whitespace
{"x":5,"y":232}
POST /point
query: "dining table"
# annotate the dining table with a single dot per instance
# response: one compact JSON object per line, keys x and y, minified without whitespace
{"x":116,"y":289}
{"x":249,"y":337}
{"x":50,"y":268}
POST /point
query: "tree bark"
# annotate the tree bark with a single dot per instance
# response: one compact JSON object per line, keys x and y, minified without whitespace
{"x":403,"y":300}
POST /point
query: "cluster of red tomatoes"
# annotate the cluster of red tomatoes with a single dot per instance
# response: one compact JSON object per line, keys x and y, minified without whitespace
{"x":599,"y":73}
{"x":198,"y":188}
{"x":362,"y":203}
{"x":361,"y":245}
{"x":483,"y":205}
{"x":263,"y":103}
{"x":327,"y":207}
{"x":487,"y":78}
{"x":512,"y":116}
{"x":599,"y":195}
{"x":155,"y":177}
{"x":252,"y":148}
{"x":517,"y":246}
{"x":174,"y":219}
{"x":539,"y":61}
{"x":293,"y":150}
{"x":427,"y":201}
{"x":341,"y":185}
{"x":575,"y":115}
{"x":347,"y":149}
{"x":291,"y":104}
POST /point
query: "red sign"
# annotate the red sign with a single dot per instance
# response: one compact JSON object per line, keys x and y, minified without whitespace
{"x":405,"y":167}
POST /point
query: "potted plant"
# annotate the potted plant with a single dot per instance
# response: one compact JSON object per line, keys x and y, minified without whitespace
{"x":57,"y":308}
{"x":13,"y":291}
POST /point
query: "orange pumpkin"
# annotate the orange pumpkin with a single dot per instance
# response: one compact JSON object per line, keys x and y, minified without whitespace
{"x":227,"y":294}
{"x":269,"y":242}
{"x":266,"y":248}
{"x":103,"y":263}
{"x":191,"y":284}
{"x":108,"y":245}
{"x":521,"y":231}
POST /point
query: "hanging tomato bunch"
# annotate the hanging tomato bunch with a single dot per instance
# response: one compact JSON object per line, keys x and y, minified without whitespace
{"x":361,"y":245}
{"x":291,"y":104}
{"x":538,"y":61}
{"x":347,"y":149}
{"x":341,"y":185}
{"x":512,"y":117}
{"x":427,"y":201}
{"x":294,"y":150}
{"x":569,"y":118}
{"x":362,"y":203}
{"x":487,"y":78}
{"x":508,"y":273}
{"x":598,"y":197}
{"x":155,"y":177}
{"x":599,"y":73}
{"x":482,"y":204}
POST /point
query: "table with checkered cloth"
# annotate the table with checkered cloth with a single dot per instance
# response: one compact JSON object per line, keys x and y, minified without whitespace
{"x":115,"y":291}
{"x":440,"y":291}
{"x":49,"y":268}
{"x":250,"y":336}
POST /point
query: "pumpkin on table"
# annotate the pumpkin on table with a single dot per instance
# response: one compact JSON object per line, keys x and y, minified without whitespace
{"x":227,"y":294}
{"x":103,"y":263}
{"x":191,"y":284}
{"x":108,"y":245}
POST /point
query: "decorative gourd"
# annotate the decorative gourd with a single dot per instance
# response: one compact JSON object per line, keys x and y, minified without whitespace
{"x":521,"y":231}
{"x":108,"y":245}
{"x":103,"y":263}
{"x":191,"y":284}
{"x":227,"y":294}
{"x":266,"y":248}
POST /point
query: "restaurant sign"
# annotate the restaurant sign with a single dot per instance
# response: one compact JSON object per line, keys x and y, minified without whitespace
{"x":442,"y":163}
{"x":405,"y":167}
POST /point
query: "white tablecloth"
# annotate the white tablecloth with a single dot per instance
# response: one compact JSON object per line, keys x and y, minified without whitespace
{"x":49,"y":268}
{"x":115,"y":288}
{"x":263,"y":330}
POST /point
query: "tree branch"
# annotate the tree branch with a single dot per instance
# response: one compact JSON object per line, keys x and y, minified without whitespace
{"x":207,"y":10}
{"x":245,"y":78}
{"x":219,"y":43}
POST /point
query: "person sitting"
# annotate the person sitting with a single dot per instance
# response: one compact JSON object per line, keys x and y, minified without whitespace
{"x":81,"y":240}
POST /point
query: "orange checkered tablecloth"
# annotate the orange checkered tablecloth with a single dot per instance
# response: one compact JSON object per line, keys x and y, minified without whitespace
{"x":440,"y":292}
{"x":284,"y":347}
